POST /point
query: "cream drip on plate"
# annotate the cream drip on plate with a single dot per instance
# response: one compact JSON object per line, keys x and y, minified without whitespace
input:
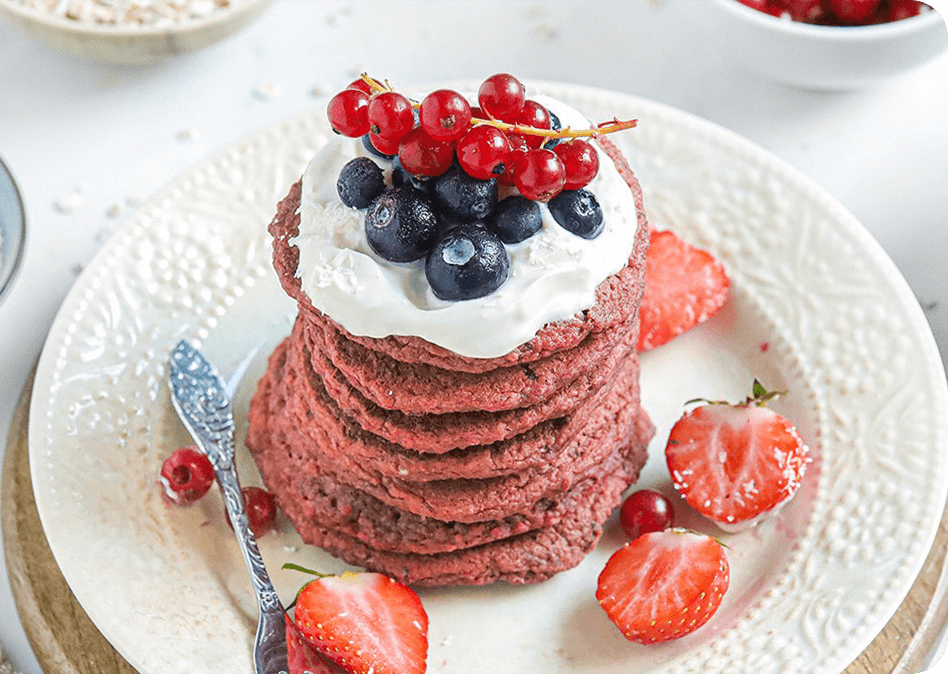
{"x":553,"y":274}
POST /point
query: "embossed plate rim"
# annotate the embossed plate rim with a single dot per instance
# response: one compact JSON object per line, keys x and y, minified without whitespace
{"x":101,"y":289}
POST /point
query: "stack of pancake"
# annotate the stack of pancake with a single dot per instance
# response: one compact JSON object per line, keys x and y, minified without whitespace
{"x":402,"y":457}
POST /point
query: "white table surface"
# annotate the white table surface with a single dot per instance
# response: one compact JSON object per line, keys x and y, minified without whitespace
{"x":86,"y":142}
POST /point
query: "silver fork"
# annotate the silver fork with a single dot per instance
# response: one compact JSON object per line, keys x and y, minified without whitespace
{"x":202,"y":400}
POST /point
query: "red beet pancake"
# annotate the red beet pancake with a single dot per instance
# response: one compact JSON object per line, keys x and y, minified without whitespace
{"x":308,"y":403}
{"x":443,"y":432}
{"x":328,"y":448}
{"x":418,"y":388}
{"x":302,"y":406}
{"x":528,"y":557}
{"x":313,"y":498}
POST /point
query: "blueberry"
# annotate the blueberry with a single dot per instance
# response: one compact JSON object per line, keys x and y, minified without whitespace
{"x":515,"y":219}
{"x":372,"y":149}
{"x":461,"y":198}
{"x":555,"y":122}
{"x":578,"y":211}
{"x":555,"y":125}
{"x":360,"y":181}
{"x":400,"y":224}
{"x":467,"y":262}
{"x":401,"y":178}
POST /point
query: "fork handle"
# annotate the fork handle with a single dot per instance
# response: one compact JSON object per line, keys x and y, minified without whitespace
{"x":270,"y":655}
{"x":200,"y":397}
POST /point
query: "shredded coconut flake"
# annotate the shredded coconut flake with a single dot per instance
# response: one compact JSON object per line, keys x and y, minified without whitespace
{"x":266,"y":90}
{"x":187,"y":135}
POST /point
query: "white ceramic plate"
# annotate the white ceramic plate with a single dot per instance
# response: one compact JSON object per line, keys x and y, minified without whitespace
{"x":817,"y":309}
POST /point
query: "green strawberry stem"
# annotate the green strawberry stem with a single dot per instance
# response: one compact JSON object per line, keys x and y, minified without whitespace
{"x":290,"y":566}
{"x":683,"y":530}
{"x":296,"y":567}
{"x":761,"y":396}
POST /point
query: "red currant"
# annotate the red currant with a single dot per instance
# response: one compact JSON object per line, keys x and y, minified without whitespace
{"x":539,"y":175}
{"x":391,"y":116}
{"x":383,"y":145}
{"x":518,"y":148}
{"x":581,"y":162}
{"x":261,"y":510}
{"x":482,"y":151}
{"x":186,"y":476}
{"x":535,"y":115}
{"x":348,"y":113}
{"x":808,"y":11}
{"x":361,"y":85}
{"x":501,"y":96}
{"x":645,"y":511}
{"x":445,"y":115}
{"x":766,"y":6}
{"x":421,"y":155}
{"x":853,"y":11}
{"x":904,"y":9}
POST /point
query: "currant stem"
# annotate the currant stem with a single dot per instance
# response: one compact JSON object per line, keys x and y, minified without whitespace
{"x":607,"y":127}
{"x":599,"y":130}
{"x":374,"y":84}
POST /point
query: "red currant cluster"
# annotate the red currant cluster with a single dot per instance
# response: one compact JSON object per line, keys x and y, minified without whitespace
{"x":840,"y":12}
{"x":187,"y":475}
{"x":506,"y":136}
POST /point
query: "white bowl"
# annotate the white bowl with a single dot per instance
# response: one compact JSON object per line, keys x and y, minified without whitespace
{"x":152,"y":40}
{"x":819,"y":57}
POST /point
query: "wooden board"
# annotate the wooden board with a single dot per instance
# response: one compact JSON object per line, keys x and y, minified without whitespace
{"x":66,"y":641}
{"x":62,"y":635}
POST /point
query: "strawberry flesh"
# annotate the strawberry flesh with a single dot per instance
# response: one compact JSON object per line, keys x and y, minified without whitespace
{"x":684,"y":286}
{"x":301,"y":657}
{"x":733,"y":463}
{"x":664,"y":585}
{"x":365,"y":622}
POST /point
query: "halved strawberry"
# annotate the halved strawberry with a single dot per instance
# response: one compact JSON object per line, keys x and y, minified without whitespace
{"x":663,"y":585}
{"x":365,"y":622}
{"x":684,"y":286}
{"x":734,"y":463}
{"x":301,"y":657}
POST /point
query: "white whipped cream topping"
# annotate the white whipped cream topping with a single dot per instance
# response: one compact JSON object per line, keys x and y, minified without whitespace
{"x":553,"y":274}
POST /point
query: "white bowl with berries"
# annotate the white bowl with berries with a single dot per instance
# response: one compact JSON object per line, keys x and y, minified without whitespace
{"x":824,"y":44}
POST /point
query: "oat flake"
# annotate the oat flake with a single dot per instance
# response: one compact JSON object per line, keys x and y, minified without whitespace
{"x":130,"y":13}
